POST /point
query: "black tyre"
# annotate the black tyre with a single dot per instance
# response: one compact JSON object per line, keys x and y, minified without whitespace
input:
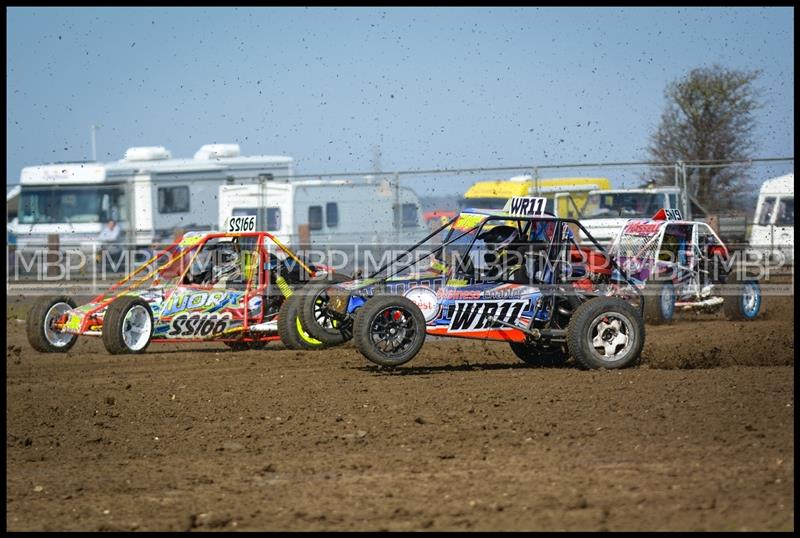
{"x":659,"y":302}
{"x":314,"y":317}
{"x":536,"y":355}
{"x":290,"y":329}
{"x":127,"y":326}
{"x":389,"y":330}
{"x":42,"y":336}
{"x":605,"y":332}
{"x":742,"y":301}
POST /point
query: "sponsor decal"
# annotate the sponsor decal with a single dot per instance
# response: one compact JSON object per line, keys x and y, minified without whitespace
{"x":198,"y":325}
{"x":458,"y":294}
{"x":503,"y":292}
{"x":480,"y":315}
{"x":199,"y":300}
{"x":425,"y":299}
{"x":642,"y":228}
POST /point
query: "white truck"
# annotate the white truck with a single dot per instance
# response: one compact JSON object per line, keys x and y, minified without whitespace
{"x":772,"y":232}
{"x":608,"y":210}
{"x":331,"y":212}
{"x":150,"y":194}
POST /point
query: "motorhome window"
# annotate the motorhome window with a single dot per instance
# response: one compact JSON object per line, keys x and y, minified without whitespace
{"x":315,"y":217}
{"x":173,"y":199}
{"x":765,"y":214}
{"x":332,"y":214}
{"x":245,"y":212}
{"x":72,"y":205}
{"x":273,"y":216}
{"x":622,"y":204}
{"x":410,"y":214}
{"x":785,"y":212}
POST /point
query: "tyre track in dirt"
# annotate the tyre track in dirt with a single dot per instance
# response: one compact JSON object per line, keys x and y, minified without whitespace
{"x":465,"y":437}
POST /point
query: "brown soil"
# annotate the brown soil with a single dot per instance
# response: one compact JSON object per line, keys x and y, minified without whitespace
{"x":465,"y":437}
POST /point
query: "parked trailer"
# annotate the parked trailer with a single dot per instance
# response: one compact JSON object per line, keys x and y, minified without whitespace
{"x":772,"y":232}
{"x":351,"y":216}
{"x":148,"y":192}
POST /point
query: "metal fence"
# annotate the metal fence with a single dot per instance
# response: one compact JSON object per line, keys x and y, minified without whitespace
{"x":443,"y":189}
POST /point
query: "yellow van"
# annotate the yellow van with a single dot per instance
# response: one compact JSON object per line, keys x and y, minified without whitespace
{"x":567,"y":195}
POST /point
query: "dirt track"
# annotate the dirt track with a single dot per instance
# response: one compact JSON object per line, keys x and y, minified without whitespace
{"x":465,"y":437}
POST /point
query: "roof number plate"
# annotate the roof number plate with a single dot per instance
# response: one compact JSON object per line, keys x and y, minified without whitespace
{"x":242,"y":223}
{"x":527,"y":206}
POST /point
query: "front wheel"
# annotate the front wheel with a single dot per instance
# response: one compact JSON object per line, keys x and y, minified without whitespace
{"x":389,"y":330}
{"x":290,"y":329}
{"x":659,"y":303}
{"x":315,"y":317}
{"x":127,"y":325}
{"x":605,"y":332}
{"x":43,"y":334}
{"x":744,"y":301}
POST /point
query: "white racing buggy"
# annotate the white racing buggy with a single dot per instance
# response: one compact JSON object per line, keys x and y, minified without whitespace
{"x":682,"y":264}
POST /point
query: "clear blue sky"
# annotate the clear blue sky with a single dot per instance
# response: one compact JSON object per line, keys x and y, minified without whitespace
{"x":438,"y":87}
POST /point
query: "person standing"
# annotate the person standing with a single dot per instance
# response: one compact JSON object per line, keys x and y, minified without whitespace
{"x":108,"y":238}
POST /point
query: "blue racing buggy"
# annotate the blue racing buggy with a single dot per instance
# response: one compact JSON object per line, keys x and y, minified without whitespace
{"x":516,"y":275}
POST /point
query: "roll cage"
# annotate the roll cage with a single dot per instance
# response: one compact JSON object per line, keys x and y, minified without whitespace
{"x":551,"y":291}
{"x":191,"y":247}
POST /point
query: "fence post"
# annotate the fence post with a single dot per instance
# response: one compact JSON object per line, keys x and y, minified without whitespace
{"x":398,"y":223}
{"x":52,"y":249}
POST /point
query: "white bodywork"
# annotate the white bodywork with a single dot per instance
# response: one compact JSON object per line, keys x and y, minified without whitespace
{"x":604,"y":230}
{"x":772,"y":231}
{"x":364,"y":211}
{"x":691,"y":286}
{"x":128,"y":190}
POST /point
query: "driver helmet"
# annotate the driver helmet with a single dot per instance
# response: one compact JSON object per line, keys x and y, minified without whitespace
{"x":200,"y":270}
{"x":499,"y":237}
{"x":227,"y":266}
{"x":494,"y":241}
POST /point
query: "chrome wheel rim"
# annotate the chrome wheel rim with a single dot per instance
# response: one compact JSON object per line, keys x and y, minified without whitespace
{"x":667,"y":301}
{"x":136,"y":327}
{"x":610,"y":336}
{"x":750,"y":299}
{"x":54,"y":336}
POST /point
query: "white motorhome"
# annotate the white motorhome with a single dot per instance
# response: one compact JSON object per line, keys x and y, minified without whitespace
{"x":148,"y":192}
{"x":608,"y":210}
{"x":333,"y":212}
{"x":772,"y":231}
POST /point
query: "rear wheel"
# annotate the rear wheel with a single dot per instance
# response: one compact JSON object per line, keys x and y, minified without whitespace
{"x":538,"y":355}
{"x":744,"y":301}
{"x":42,"y":335}
{"x":291,"y":329}
{"x":314,"y":316}
{"x":389,"y":330}
{"x":605,"y":332}
{"x":127,"y":325}
{"x":659,"y":303}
